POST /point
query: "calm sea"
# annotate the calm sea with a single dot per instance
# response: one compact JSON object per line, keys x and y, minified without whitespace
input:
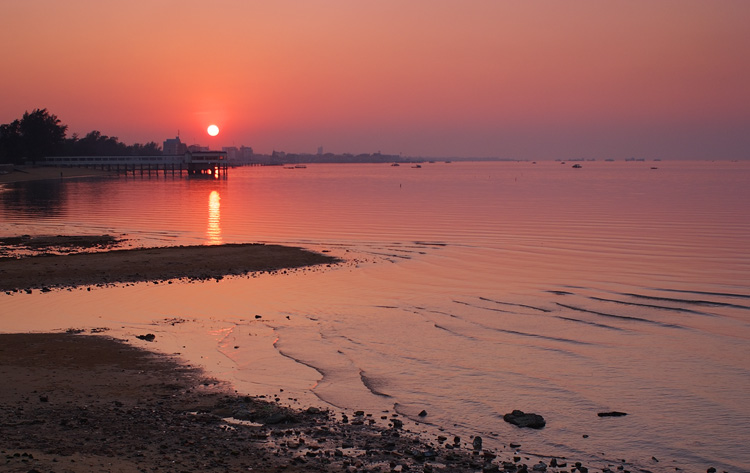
{"x":470,"y":290}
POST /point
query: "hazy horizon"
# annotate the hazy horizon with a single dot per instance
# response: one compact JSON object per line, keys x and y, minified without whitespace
{"x":530,"y":81}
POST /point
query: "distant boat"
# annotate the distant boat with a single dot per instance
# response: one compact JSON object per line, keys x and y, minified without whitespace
{"x":300,"y":166}
{"x":417,"y":166}
{"x":577,"y":166}
{"x":395,"y":164}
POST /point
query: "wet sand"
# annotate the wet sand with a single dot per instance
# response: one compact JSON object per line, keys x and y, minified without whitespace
{"x":81,"y":403}
{"x":47,"y":271}
{"x":74,"y":402}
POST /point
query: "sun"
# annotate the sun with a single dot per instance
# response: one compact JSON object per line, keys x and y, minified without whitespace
{"x":213,"y":130}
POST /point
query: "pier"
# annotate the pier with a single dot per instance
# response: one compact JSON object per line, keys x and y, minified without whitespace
{"x":196,"y":163}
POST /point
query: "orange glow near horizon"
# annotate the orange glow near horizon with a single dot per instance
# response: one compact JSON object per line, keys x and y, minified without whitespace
{"x":541,"y":80}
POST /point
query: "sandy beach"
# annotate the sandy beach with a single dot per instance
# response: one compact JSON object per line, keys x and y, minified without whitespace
{"x":82,"y":403}
{"x":47,"y":271}
{"x":77,"y":402}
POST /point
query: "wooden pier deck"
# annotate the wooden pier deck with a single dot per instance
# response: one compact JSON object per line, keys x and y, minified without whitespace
{"x":199,"y":163}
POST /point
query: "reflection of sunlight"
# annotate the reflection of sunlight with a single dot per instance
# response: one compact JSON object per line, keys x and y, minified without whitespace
{"x":214,"y":219}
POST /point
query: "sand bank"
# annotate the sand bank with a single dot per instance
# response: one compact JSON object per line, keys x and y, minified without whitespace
{"x":150,"y":264}
{"x":26,"y":173}
{"x":81,"y":403}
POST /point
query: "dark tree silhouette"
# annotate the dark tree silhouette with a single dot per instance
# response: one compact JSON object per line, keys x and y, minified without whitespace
{"x":96,"y":144}
{"x":36,"y":135}
{"x":39,"y":134}
{"x":11,"y":148}
{"x":149,"y":149}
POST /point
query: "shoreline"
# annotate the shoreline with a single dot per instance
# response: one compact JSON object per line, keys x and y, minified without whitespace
{"x":92,"y":403}
{"x":113,"y":389}
{"x":85,"y":401}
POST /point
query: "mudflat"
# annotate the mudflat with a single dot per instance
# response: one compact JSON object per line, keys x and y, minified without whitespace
{"x":48,"y":271}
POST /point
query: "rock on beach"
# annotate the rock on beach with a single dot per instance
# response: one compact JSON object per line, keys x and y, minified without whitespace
{"x":522,"y":419}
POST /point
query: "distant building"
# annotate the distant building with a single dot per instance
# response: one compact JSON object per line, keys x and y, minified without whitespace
{"x":197,"y":148}
{"x":174,"y":147}
{"x":233,"y":154}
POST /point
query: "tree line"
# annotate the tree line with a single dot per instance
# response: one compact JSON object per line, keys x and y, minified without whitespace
{"x":39,"y":134}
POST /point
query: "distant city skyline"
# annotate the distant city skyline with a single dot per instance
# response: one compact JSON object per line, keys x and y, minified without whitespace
{"x":540,"y":80}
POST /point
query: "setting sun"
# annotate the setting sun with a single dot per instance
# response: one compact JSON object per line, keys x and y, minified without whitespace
{"x":213,"y":130}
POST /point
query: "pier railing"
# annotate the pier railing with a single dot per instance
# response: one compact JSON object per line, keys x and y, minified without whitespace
{"x":146,"y":165}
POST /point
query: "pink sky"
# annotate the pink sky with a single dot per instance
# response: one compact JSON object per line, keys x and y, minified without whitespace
{"x":527,"y":80}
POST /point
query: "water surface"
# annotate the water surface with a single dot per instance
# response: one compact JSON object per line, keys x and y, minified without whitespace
{"x":471,"y":289}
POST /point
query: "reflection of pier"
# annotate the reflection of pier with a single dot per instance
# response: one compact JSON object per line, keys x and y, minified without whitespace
{"x":206,"y":163}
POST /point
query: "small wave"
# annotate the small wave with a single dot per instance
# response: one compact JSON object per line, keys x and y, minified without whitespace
{"x":686,"y":301}
{"x":515,"y":305}
{"x":427,"y":243}
{"x":653,"y":306}
{"x":621,"y":317}
{"x":484,"y":308}
{"x":502,"y":330}
{"x":439,"y":312}
{"x":571,"y":319}
{"x":453,"y":332}
{"x":371,"y":385}
{"x":301,"y":362}
{"x":706,"y":293}
{"x":536,"y":335}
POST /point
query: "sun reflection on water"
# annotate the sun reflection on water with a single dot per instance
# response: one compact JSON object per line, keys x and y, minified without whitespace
{"x":214,"y":218}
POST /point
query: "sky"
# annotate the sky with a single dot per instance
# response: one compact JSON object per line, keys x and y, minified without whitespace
{"x":544,"y":79}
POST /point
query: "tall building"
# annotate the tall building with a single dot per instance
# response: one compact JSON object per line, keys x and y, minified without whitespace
{"x":174,"y":146}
